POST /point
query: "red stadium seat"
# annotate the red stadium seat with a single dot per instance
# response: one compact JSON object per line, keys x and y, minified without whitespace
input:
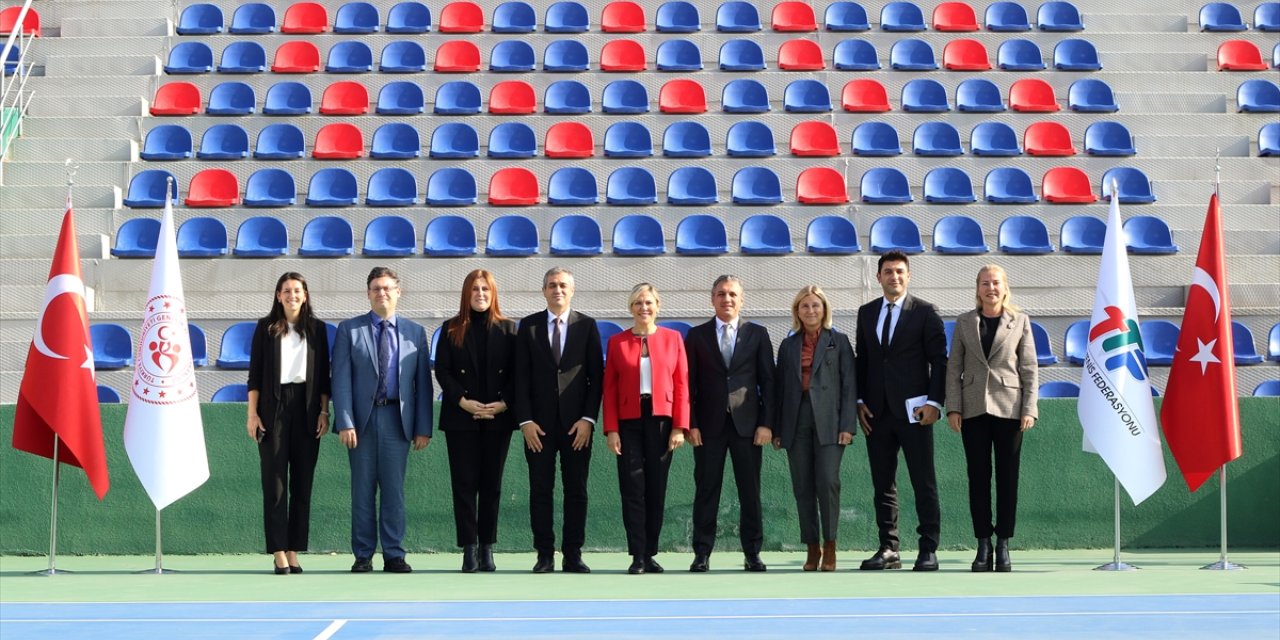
{"x":814,"y":139}
{"x":176,"y":99}
{"x":9,"y":20}
{"x":339,"y":141}
{"x":1048,"y":139}
{"x":1067,"y":185}
{"x":461,"y":17}
{"x":514,"y":97}
{"x":821,"y":185}
{"x":569,"y":140}
{"x":345,"y":99}
{"x":965,"y":55}
{"x":800,"y":55}
{"x":298,"y":56}
{"x":213,"y":188}
{"x":793,"y":16}
{"x":457,"y":56}
{"x":682,"y":96}
{"x":622,"y":17}
{"x":1032,"y":94}
{"x":1240,"y":55}
{"x":513,"y":186}
{"x":865,"y":96}
{"x":622,"y":55}
{"x":305,"y":17}
{"x":955,"y":16}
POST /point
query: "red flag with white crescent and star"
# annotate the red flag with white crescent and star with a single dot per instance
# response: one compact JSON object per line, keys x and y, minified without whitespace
{"x":1200,"y":415}
{"x":58,"y":397}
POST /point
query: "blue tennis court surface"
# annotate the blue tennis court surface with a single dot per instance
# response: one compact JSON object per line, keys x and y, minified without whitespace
{"x":1199,"y":616}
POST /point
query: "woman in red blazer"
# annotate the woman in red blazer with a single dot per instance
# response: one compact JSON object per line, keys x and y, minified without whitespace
{"x":646,"y":416}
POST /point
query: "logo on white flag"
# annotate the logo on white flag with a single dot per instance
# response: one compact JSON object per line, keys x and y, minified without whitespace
{"x":166,"y":374}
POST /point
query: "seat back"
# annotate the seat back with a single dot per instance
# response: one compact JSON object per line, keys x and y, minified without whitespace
{"x":948,"y":185}
{"x":513,"y":186}
{"x":279,"y":141}
{"x":564,"y":56}
{"x":793,"y":16}
{"x":513,"y":17}
{"x":234,"y":392}
{"x":1048,"y":138}
{"x":391,"y":187}
{"x":678,"y":55}
{"x":261,"y":236}
{"x":1067,"y":185}
{"x":1024,"y":235}
{"x":573,"y":186}
{"x":686,"y":139}
{"x":1059,"y":16}
{"x":855,"y":54}
{"x":287,"y":98}
{"x":253,"y":18}
{"x":349,"y":56}
{"x":1131,"y":184}
{"x":925,"y":95}
{"x":912,"y":54}
{"x":1075,"y":54}
{"x":327,"y":237}
{"x":965,"y":54}
{"x":1009,"y":185}
{"x":245,"y":56}
{"x":511,"y":236}
{"x":701,"y":235}
{"x":408,"y":17}
{"x":765,"y":235}
{"x":1044,"y":351}
{"x":389,"y":236}
{"x":622,"y":16}
{"x":1033,"y":95}
{"x":458,"y":97}
{"x":960,"y":235}
{"x":174,"y":99}
{"x":1059,"y":389}
{"x":846,"y":16}
{"x":451,"y":187}
{"x":800,"y":55}
{"x":737,"y":17}
{"x":137,"y":238}
{"x":1006,"y":16}
{"x":576,"y":235}
{"x":512,"y":140}
{"x":1083,"y":234}
{"x":449,"y":236}
{"x":1148,"y":235}
{"x":452,"y":140}
{"x":1257,"y":96}
{"x":1240,"y":55}
{"x":955,"y":16}
{"x":1242,"y":340}
{"x":224,"y":142}
{"x":741,"y":55}
{"x":305,"y":17}
{"x":623,"y":97}
{"x":233,"y":352}
{"x":189,"y":57}
{"x":1266,"y":17}
{"x":147,"y":189}
{"x":876,"y":139}
{"x":332,"y":187}
{"x":112,"y":345}
{"x":107,"y":395}
{"x":638,"y":235}
{"x":566,"y":17}
{"x":692,"y":186}
{"x":167,"y":142}
{"x":682,"y":96}
{"x":402,"y":56}
{"x":566,"y":97}
{"x":807,"y":96}
{"x":831,"y":235}
{"x":356,"y":17}
{"x":461,"y":17}
{"x":270,"y":188}
{"x":677,"y":17}
{"x":901,"y":16}
{"x":622,"y":55}
{"x":213,"y":188}
{"x":885,"y":185}
{"x":864,"y":96}
{"x":231,"y":99}
{"x":512,"y":97}
{"x":750,"y":139}
{"x":1269,"y":139}
{"x":994,"y":139}
{"x":1221,"y":16}
{"x":895,"y":233}
{"x":744,"y":96}
{"x":196,"y":19}
{"x":1019,"y":54}
{"x":627,"y":140}
{"x":457,"y":56}
{"x":340,"y":140}
{"x":814,"y":138}
{"x":631,"y":186}
{"x":511,"y":56}
{"x":821,"y":185}
{"x":756,"y":185}
{"x":569,"y":140}
{"x":401,"y":98}
{"x":1091,"y":95}
{"x":937,"y":138}
{"x":1159,"y":340}
{"x":1108,"y":139}
{"x":296,"y":56}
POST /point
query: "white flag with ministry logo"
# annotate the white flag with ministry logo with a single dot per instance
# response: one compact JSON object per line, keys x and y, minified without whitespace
{"x":163,"y":432}
{"x":1115,"y":406}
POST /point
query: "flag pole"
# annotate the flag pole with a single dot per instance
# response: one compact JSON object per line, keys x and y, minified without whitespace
{"x":159,"y":568}
{"x":1116,"y":564}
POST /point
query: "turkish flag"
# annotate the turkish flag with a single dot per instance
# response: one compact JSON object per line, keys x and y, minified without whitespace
{"x":59,"y":397}
{"x":1200,"y":415}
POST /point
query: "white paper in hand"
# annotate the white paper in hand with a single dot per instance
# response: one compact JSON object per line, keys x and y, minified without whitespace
{"x":912,"y":405}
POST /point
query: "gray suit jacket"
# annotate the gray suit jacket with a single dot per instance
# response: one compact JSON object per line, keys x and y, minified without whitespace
{"x":1004,"y":384}
{"x":831,"y":387}
{"x":355,"y":376}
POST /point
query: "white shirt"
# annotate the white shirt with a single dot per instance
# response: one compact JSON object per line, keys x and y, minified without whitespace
{"x":293,"y":357}
{"x":646,"y":376}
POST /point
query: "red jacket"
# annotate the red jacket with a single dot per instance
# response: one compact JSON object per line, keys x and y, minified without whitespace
{"x":622,"y":378}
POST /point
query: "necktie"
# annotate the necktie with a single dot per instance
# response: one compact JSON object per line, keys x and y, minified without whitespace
{"x":555,"y":340}
{"x":384,"y":358}
{"x":726,"y":344}
{"x":884,"y":329}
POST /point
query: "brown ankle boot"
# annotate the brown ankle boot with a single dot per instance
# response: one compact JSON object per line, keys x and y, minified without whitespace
{"x":815,"y":556}
{"x":829,"y":555}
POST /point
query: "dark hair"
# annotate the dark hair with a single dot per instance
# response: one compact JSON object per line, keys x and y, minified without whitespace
{"x":461,"y":323}
{"x":893,"y":256}
{"x":381,"y":272}
{"x":277,"y":324}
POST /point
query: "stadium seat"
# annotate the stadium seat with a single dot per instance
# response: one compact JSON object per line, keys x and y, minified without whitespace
{"x":1148,"y":235}
{"x":1267,"y":389}
{"x":622,"y":56}
{"x":511,"y":56}
{"x":677,"y":17}
{"x":1091,"y":95}
{"x":701,"y":235}
{"x":1032,"y":95}
{"x":332,"y":187}
{"x":756,"y":185}
{"x":885,"y":185}
{"x":573,"y":186}
{"x":195,"y":20}
{"x":107,"y":395}
{"x":623,"y":97}
{"x":1010,"y":185}
{"x":231,"y":99}
{"x":764,"y":235}
{"x":1273,"y":343}
{"x":744,"y":96}
{"x":806,"y":96}
{"x":682,"y":96}
{"x":224,"y":142}
{"x":457,"y":98}
{"x":1059,"y":389}
{"x":1075,"y":54}
{"x":253,"y":18}
{"x":305,"y":17}
{"x":400,"y":98}
{"x":677,"y":325}
{"x":686,"y":139}
{"x":692,"y":186}
{"x":814,"y":138}
{"x":994,"y":139}
{"x":1240,"y":55}
{"x":1083,"y":235}
{"x":1024,"y":235}
{"x":279,"y":142}
{"x":678,"y":55}
{"x":979,"y":95}
{"x":409,"y":17}
{"x":1044,"y":351}
{"x":1076,"y":341}
{"x":457,"y":56}
{"x":147,"y":189}
{"x":12,"y":59}
{"x":638,"y":235}
{"x":955,"y":16}
{"x":270,"y":188}
{"x":1059,"y":16}
{"x":112,"y":345}
{"x":1242,"y":339}
{"x":1221,"y":16}
{"x":855,"y":54}
{"x":936,"y":138}
{"x":512,"y":140}
{"x":958,"y":235}
{"x":1108,"y":139}
{"x":402,"y":56}
{"x":864,"y":96}
{"x":622,"y":17}
{"x":175,"y":99}
{"x":821,"y":185}
{"x":1048,"y":138}
{"x":287,"y":99}
{"x":461,"y":17}
{"x":750,"y":139}
{"x":741,"y":55}
{"x":925,"y":95}
{"x":245,"y":56}
{"x":511,"y":236}
{"x":846,"y":16}
{"x":235,"y":343}
{"x":1253,"y":96}
{"x":451,"y":140}
{"x":567,"y":97}
{"x":1269,"y":139}
{"x":792,"y":17}
{"x":136,"y":238}
{"x":1267,"y":16}
{"x":327,"y":237}
{"x":910,"y":54}
{"x":831,"y":235}
{"x":296,"y":56}
{"x":167,"y":142}
{"x":608,"y":329}
{"x":233,"y":392}
{"x":948,"y":185}
{"x":1067,"y":185}
{"x":1006,"y":16}
{"x":1159,"y":340}
{"x":631,"y":186}
{"x":569,"y":140}
{"x":876,"y":139}
{"x":901,"y":16}
{"x":1018,"y":54}
{"x":261,"y":236}
{"x":566,"y":17}
{"x":895,"y":233}
{"x":737,"y":17}
{"x":189,"y":57}
{"x":565,"y":56}
{"x":965,"y":54}
{"x":391,"y":187}
{"x":349,"y":56}
{"x":627,"y":140}
{"x":576,"y":235}
{"x":356,"y":17}
{"x":449,"y":237}
{"x":513,"y":17}
{"x":389,"y":236}
{"x":338,"y":141}
{"x":800,"y":55}
{"x":513,"y":187}
{"x":1132,"y":185}
{"x":512,"y":97}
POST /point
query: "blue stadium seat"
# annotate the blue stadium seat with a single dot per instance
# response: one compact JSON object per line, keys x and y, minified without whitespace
{"x":231,"y":99}
{"x":189,"y":57}
{"x":745,"y":96}
{"x":573,"y":186}
{"x":1006,"y":16}
{"x":737,"y":17}
{"x":253,"y":18}
{"x":895,"y":233}
{"x":270,"y":188}
{"x":389,"y":236}
{"x":279,"y":142}
{"x":1024,"y":235}
{"x":885,"y":185}
{"x":349,"y":56}
{"x":224,"y":142}
{"x":1269,"y":139}
{"x":261,"y":237}
{"x":147,"y":189}
{"x":332,"y":187}
{"x":925,"y":95}
{"x":1091,"y":95}
{"x":391,"y":187}
{"x":234,"y":350}
{"x":233,"y":392}
{"x":1083,"y":235}
{"x":831,"y":235}
{"x":1132,"y":185}
{"x":1258,"y":96}
{"x":692,"y":186}
{"x":112,"y":345}
{"x":511,"y":236}
{"x":512,"y":56}
{"x":638,"y":235}
{"x":911,"y":54}
{"x":686,"y":139}
{"x":449,"y":237}
{"x":451,"y":140}
{"x":623,"y":97}
{"x":513,"y":17}
{"x":631,"y":186}
{"x":1009,"y":185}
{"x":677,"y":17}
{"x":356,"y":17}
{"x":245,"y":56}
{"x":765,"y":235}
{"x":1267,"y":16}
{"x":1059,"y":389}
{"x":107,"y":395}
{"x":855,"y":54}
{"x":741,"y":55}
{"x":1275,"y":56}
{"x":136,"y":238}
{"x":1267,"y":389}
{"x":678,"y":55}
{"x":512,"y":140}
{"x":457,"y":98}
{"x":201,"y":237}
{"x":1108,"y":139}
{"x":1076,"y":341}
{"x":566,"y":17}
{"x":750,"y":139}
{"x":1221,"y":16}
{"x":846,"y":16}
{"x":409,"y":17}
{"x":807,"y":96}
{"x":565,"y":56}
{"x":959,"y":235}
{"x":327,"y":237}
{"x":901,"y":16}
{"x":936,"y":138}
{"x":1242,"y":338}
{"x":979,"y":95}
{"x":1059,"y":16}
{"x":701,"y":235}
{"x":608,"y":329}
{"x":167,"y":142}
{"x":199,"y":19}
{"x":402,"y":56}
{"x":451,"y":187}
{"x":199,"y":345}
{"x":1148,"y":235}
{"x":1044,"y":351}
{"x":994,"y":139}
{"x":1018,"y":54}
{"x":398,"y":140}
{"x":1273,"y":343}
{"x":576,"y":235}
{"x":627,"y":140}
{"x":676,"y":325}
{"x":756,"y":185}
{"x":287,"y":99}
{"x":1075,"y":54}
{"x":948,"y":185}
{"x":1159,"y":341}
{"x":567,"y":97}
{"x":876,"y":139}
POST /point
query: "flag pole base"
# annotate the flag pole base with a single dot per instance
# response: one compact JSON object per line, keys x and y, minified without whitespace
{"x":1223,"y":565}
{"x":155,"y":571}
{"x":50,"y":572}
{"x":1116,"y":566}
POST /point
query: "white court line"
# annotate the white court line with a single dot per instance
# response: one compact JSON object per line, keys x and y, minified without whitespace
{"x":330,"y":630}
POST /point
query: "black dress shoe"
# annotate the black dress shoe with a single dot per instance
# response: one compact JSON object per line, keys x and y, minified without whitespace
{"x":637,"y":565}
{"x":280,"y":571}
{"x":982,"y":561}
{"x":652,"y":566}
{"x":469,"y":562}
{"x":1003,"y":564}
{"x":752,"y":562}
{"x":295,"y":568}
{"x":926,"y":561}
{"x":701,"y":563}
{"x":485,"y":558}
{"x":573,"y":563}
{"x":885,"y":558}
{"x":396,"y":565}
{"x":362,"y":565}
{"x":545,"y":564}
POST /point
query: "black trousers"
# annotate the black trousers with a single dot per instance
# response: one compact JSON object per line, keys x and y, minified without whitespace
{"x":889,"y":435}
{"x":575,"y":467}
{"x":287,"y":455}
{"x":708,"y":478}
{"x":642,"y":478}
{"x":476,"y":460}
{"x":982,"y":435}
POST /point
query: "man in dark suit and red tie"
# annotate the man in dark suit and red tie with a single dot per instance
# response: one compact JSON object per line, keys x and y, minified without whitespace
{"x":901,"y":370}
{"x":731,"y":393}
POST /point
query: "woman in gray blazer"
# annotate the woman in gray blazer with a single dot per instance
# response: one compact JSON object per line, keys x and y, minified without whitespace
{"x":991,"y":400}
{"x":816,"y":420}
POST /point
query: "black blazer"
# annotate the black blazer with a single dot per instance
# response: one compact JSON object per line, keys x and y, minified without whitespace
{"x":745,"y":388}
{"x":264,"y":370}
{"x":915,"y":364}
{"x":557,"y":396}
{"x":459,"y":375}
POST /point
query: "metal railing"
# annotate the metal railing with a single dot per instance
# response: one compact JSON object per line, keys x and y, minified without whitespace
{"x":14,"y":98}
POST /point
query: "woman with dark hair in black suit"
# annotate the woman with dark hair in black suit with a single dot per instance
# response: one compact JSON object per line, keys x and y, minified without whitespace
{"x":288,"y":413}
{"x":473,"y":366}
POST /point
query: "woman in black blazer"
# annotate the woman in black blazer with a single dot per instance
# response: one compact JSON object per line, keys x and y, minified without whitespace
{"x":473,"y":366}
{"x":288,"y":413}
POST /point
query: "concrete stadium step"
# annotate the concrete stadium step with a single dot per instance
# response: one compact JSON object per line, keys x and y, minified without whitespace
{"x":93,"y":196}
{"x":92,"y":246}
{"x":59,"y":106}
{"x":35,"y":173}
{"x":90,"y":65}
{"x":48,"y":219}
{"x":27,"y":149}
{"x":116,"y":27}
{"x":80,"y":86}
{"x":55,"y":12}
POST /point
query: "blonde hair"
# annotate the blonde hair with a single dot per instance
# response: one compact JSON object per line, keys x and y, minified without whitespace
{"x":811,"y":290}
{"x":643,"y":287}
{"x":1006,"y":302}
